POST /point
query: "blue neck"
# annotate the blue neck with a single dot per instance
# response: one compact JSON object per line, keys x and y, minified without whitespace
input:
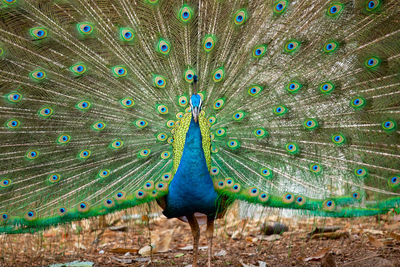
{"x":191,"y":189}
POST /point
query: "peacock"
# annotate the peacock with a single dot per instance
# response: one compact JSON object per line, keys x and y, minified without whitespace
{"x":106,"y":105}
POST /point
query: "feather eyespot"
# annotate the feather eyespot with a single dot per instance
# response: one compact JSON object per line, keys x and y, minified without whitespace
{"x":38,"y":33}
{"x":13,"y":124}
{"x":358,"y":102}
{"x":62,"y":211}
{"x":372,"y":63}
{"x":326,"y":88}
{"x":166,"y":177}
{"x":83,"y":207}
{"x":334,"y":9}
{"x":209,"y":42}
{"x":260,"y":133}
{"x":212,"y":120}
{"x":5,"y":183}
{"x":127,"y":102}
{"x":338,"y":139}
{"x":328,"y":205}
{"x":238,"y":116}
{"x":162,"y":109}
{"x":165,"y":155}
{"x":263,"y":197}
{"x":233,"y":144}
{"x":120,"y":195}
{"x":240,"y":16}
{"x":32,"y":154}
{"x":293,"y":87}
{"x":84,"y":154}
{"x":78,"y":69}
{"x":183,"y":101}
{"x":389,"y":126}
{"x":140,"y":194}
{"x":38,"y":75}
{"x":356,"y":195}
{"x":310,"y":124}
{"x":361,"y":172}
{"x":162,"y":137}
{"x":315,"y":168}
{"x":85,"y":28}
{"x":259,"y":51}
{"x":254,"y":90}
{"x":45,"y":112}
{"x":220,"y":132}
{"x":83,"y":105}
{"x":394,"y":181}
{"x":280,"y":6}
{"x":116,"y":144}
{"x":267,"y":173}
{"x":14,"y":97}
{"x":330,"y":47}
{"x":291,"y":46}
{"x":4,"y":217}
{"x":229,"y":182}
{"x":218,"y":74}
{"x":126,"y":34}
{"x":292,"y":148}
{"x":98,"y":126}
{"x":109,"y":203}
{"x":280,"y":110}
{"x":104,"y":173}
{"x":144,"y":153}
{"x":214,"y":170}
{"x":149,"y":185}
{"x":30,"y":215}
{"x":119,"y":71}
{"x":373,"y":5}
{"x":218,"y":104}
{"x":163,"y":47}
{"x":54,"y":178}
{"x":253,"y":192}
{"x":185,"y":14}
{"x":159,"y":81}
{"x":141,"y":123}
{"x":236,"y":188}
{"x":288,"y":198}
{"x":189,"y":75}
{"x":10,"y":2}
{"x":300,"y":200}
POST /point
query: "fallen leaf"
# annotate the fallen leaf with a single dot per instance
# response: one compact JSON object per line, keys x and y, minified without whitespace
{"x":372,"y":231}
{"x":221,"y":253}
{"x":375,"y":242}
{"x":122,"y":260}
{"x":395,"y":236}
{"x":318,"y":255}
{"x":271,"y":237}
{"x":179,"y":255}
{"x":124,"y":250}
{"x":147,"y":250}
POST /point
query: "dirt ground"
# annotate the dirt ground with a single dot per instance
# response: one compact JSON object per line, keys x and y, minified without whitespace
{"x":124,"y":239}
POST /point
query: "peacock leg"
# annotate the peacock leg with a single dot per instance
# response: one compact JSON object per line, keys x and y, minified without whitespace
{"x":209,"y":234}
{"x":194,"y":226}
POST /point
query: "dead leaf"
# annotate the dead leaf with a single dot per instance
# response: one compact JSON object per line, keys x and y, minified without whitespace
{"x":317,"y":256}
{"x":221,"y":253}
{"x":124,"y":250}
{"x":373,"y":232}
{"x":395,"y":236}
{"x":375,"y":242}
{"x":165,"y":241}
{"x":333,"y":235}
{"x":147,"y":250}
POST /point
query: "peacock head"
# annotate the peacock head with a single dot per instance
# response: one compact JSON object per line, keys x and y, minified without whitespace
{"x":195,"y":105}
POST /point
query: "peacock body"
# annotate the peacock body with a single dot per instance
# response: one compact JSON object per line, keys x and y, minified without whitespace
{"x":112,"y":104}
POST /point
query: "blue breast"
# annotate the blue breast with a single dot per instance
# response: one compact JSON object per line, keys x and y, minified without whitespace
{"x":191,"y":189}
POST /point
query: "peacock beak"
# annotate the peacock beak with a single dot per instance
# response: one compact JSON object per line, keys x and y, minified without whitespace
{"x":195,"y":112}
